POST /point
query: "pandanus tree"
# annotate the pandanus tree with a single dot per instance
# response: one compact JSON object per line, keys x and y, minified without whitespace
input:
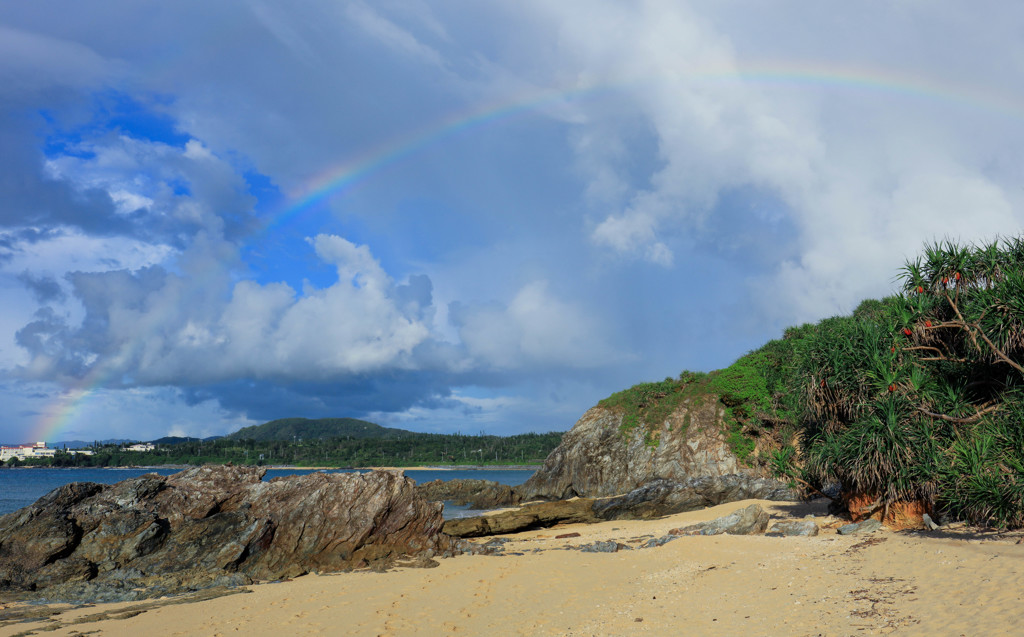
{"x":920,"y":397}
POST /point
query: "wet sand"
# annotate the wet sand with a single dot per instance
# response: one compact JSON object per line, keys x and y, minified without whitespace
{"x":954,"y":581}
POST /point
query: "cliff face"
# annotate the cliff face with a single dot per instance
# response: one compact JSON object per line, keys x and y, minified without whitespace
{"x":596,"y":458}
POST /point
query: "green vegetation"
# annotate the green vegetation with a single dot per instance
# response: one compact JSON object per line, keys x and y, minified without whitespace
{"x":328,"y":442}
{"x":914,"y":397}
{"x":758,"y":408}
{"x":918,"y":396}
{"x":652,"y":403}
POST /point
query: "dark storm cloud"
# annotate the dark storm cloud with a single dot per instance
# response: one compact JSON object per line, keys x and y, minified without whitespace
{"x":44,"y":288}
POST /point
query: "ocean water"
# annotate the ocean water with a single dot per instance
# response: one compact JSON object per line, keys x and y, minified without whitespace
{"x":22,"y":487}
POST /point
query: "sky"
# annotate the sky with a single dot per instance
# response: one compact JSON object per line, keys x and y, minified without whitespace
{"x":464,"y":216}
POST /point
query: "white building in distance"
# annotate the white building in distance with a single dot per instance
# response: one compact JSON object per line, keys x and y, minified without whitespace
{"x":21,"y":452}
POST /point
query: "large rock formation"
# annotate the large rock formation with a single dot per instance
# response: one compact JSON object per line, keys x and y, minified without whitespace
{"x":209,"y":526}
{"x":596,"y":458}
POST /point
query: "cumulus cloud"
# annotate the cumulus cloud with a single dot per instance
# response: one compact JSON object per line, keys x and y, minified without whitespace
{"x":865,"y":174}
{"x":153,"y":327}
{"x":163,"y":189}
{"x":534,"y":328}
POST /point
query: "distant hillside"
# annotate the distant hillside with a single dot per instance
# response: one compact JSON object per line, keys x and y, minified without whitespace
{"x":293,"y":429}
{"x":177,"y":440}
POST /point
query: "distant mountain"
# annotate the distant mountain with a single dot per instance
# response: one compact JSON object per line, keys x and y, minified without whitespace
{"x":175,"y":440}
{"x":292,"y":429}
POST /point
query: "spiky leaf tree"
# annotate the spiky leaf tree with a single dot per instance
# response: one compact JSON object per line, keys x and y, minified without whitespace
{"x":921,"y":397}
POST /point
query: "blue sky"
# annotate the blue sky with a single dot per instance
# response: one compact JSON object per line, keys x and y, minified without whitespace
{"x":536,"y":203}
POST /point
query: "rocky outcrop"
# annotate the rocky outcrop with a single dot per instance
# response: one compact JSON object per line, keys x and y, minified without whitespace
{"x":654,"y":499}
{"x":211,"y":526}
{"x":478,"y":494}
{"x":597,"y":459}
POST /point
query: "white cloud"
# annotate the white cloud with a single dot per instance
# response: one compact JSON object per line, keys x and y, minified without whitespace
{"x":70,"y":250}
{"x":144,"y":176}
{"x":535,"y":328}
{"x":169,"y":331}
{"x":866,"y":171}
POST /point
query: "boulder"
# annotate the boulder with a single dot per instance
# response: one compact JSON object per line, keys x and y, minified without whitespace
{"x":212,"y":526}
{"x":746,"y":521}
{"x":478,"y":494}
{"x":597,"y":459}
{"x":610,"y":546}
{"x":807,"y":528}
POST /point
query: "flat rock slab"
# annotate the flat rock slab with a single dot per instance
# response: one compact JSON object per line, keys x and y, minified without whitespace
{"x":807,"y":528}
{"x":860,"y":528}
{"x":530,"y":516}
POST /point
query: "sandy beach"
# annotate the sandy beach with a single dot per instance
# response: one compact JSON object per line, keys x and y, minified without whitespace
{"x":954,"y":581}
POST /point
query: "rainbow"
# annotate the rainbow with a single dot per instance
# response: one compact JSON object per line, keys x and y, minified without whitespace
{"x":341,"y":177}
{"x":72,"y":405}
{"x":59,"y":415}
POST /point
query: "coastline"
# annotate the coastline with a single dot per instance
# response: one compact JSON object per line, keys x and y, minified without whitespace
{"x":181,"y":467}
{"x":883,"y":583}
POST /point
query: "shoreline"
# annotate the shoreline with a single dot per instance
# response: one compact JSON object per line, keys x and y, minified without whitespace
{"x":888,"y":582}
{"x":182,"y":467}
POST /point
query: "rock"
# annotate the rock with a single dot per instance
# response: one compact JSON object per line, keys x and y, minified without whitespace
{"x":666,"y":497}
{"x":596,"y":459}
{"x":746,"y":521}
{"x":530,"y":516}
{"x":658,"y":541}
{"x":478,"y":494}
{"x":793,"y":527}
{"x":609,"y":546}
{"x":655,"y":499}
{"x":213,"y":526}
{"x":566,"y":536}
{"x":859,"y":528}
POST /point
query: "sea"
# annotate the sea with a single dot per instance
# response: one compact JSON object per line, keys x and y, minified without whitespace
{"x":23,"y":486}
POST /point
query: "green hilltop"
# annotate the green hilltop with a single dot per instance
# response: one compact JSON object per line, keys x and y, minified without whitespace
{"x":294,"y":429}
